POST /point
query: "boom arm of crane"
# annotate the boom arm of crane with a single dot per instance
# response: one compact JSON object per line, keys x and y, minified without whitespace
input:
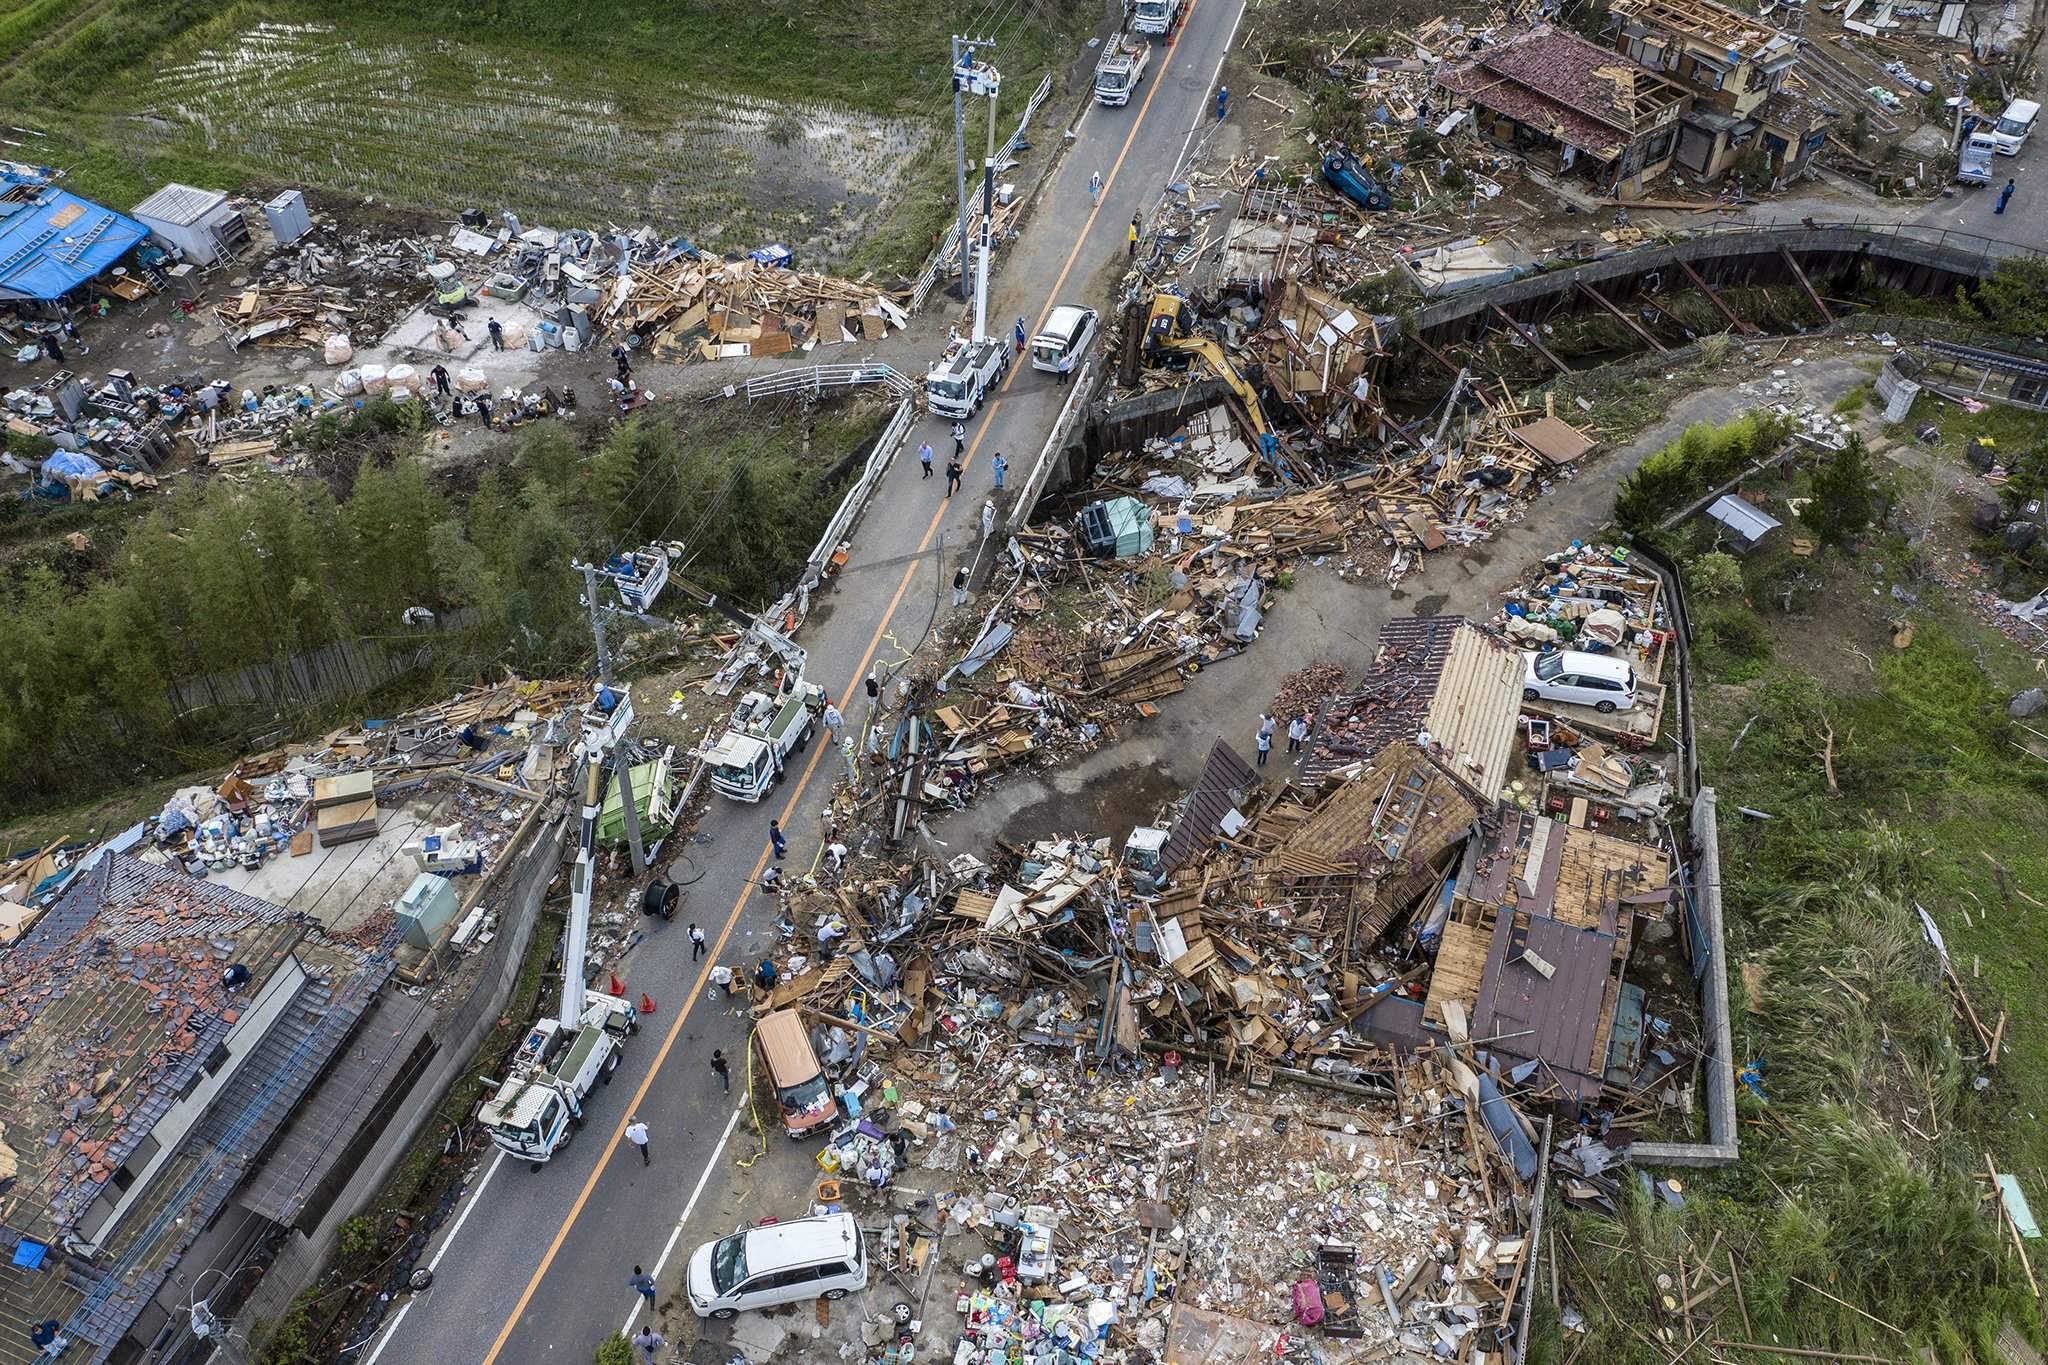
{"x":602,"y":731}
{"x":1213,"y":356}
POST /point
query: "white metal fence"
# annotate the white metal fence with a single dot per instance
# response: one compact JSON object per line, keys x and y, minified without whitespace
{"x":936,"y":266}
{"x":815,"y":379}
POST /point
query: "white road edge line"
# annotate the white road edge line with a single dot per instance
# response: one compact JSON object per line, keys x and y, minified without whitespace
{"x":633,"y":1314}
{"x":1202,"y":104}
{"x":391,"y":1332}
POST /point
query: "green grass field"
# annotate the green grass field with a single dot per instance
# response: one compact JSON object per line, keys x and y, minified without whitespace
{"x":732,"y":123}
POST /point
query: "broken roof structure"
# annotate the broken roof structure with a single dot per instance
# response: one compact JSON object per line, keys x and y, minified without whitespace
{"x":158,"y":1032}
{"x":1737,"y":37}
{"x":1440,"y":676}
{"x":1577,"y":92}
{"x":1537,"y":940}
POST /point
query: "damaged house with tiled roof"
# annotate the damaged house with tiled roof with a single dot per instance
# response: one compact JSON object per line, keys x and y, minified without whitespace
{"x":156,"y":1035}
{"x":1571,"y":108}
{"x":1746,"y":93}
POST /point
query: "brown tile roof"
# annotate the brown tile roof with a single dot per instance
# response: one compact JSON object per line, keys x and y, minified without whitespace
{"x":1578,"y":92}
{"x":108,"y":1008}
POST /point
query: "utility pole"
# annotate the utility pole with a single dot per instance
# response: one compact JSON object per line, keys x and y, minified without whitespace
{"x":962,"y":76}
{"x":593,"y":785}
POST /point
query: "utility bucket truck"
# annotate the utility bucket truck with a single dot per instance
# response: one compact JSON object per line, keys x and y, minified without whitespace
{"x":766,"y":728}
{"x":537,"y":1108}
{"x":1121,"y":68}
{"x":964,"y":376}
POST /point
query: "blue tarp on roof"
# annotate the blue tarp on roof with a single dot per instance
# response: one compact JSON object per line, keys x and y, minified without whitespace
{"x":58,"y":243}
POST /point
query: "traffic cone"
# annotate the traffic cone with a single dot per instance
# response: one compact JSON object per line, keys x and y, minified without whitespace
{"x":617,"y":986}
{"x":646,"y":1003}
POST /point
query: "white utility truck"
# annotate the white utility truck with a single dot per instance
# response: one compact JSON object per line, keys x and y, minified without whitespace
{"x":1157,"y":18}
{"x":963,"y":376}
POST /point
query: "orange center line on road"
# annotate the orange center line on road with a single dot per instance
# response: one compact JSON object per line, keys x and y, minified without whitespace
{"x":731,"y":922}
{"x":1109,"y":180}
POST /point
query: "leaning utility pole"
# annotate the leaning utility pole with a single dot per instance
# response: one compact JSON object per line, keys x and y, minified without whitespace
{"x":961,"y":75}
{"x":593,"y":782}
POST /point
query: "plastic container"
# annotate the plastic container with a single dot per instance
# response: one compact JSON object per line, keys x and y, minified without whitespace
{"x":400,"y":394}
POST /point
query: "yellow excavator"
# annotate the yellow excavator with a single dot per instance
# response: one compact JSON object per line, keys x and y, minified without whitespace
{"x":1169,"y":331}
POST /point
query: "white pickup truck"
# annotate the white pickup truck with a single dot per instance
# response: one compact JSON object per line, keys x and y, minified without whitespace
{"x":1121,"y":68}
{"x":536,"y":1110}
{"x":1974,"y":163}
{"x":963,"y":376}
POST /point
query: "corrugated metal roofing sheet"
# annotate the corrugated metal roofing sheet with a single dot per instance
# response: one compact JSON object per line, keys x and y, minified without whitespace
{"x":179,"y":205}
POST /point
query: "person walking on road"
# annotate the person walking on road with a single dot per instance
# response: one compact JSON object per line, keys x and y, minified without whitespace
{"x":1222,"y":102}
{"x":636,"y":1133}
{"x":1017,"y":331}
{"x":959,"y":439}
{"x":960,"y":586}
{"x":924,"y":457}
{"x":440,"y":377}
{"x":1265,"y":746}
{"x":1297,"y":731}
{"x":776,"y":837}
{"x":497,"y":335}
{"x":2004,"y":197}
{"x":1134,"y":236}
{"x":724,"y":1072}
{"x":697,"y":945}
{"x":999,"y":467}
{"x":1095,"y":189}
{"x":644,"y":1282}
{"x":833,"y":720}
{"x":649,"y":1341}
{"x":953,"y":471}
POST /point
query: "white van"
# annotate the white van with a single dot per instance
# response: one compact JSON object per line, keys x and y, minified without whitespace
{"x":1067,"y":334}
{"x":1600,"y":681}
{"x":2014,"y":124}
{"x":804,"y":1258}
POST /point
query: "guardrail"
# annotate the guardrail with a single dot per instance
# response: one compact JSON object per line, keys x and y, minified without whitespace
{"x":928,"y":279}
{"x":798,"y":599}
{"x":815,"y":379}
{"x":1033,"y":486}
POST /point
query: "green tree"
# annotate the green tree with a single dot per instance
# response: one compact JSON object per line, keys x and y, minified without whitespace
{"x":1845,"y":496}
{"x":2013,"y":298}
{"x":1715,"y":575}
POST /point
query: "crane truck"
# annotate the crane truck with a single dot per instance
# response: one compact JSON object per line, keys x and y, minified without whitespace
{"x":766,"y":727}
{"x":1121,"y":68}
{"x":537,"y":1108}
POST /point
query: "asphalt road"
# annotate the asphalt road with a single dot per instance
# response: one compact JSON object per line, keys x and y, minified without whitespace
{"x":534,"y":1266}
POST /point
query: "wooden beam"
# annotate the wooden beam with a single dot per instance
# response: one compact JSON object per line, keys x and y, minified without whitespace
{"x":1723,"y":309}
{"x":1438,"y":356}
{"x":1529,"y":336}
{"x":1625,"y":319}
{"x":1800,"y":275}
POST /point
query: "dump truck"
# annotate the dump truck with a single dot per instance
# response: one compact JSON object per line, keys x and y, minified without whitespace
{"x":1157,"y":18}
{"x":964,"y":376}
{"x":1121,"y":68}
{"x":764,"y":732}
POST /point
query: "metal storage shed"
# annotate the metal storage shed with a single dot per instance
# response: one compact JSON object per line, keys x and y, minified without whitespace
{"x":200,"y":224}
